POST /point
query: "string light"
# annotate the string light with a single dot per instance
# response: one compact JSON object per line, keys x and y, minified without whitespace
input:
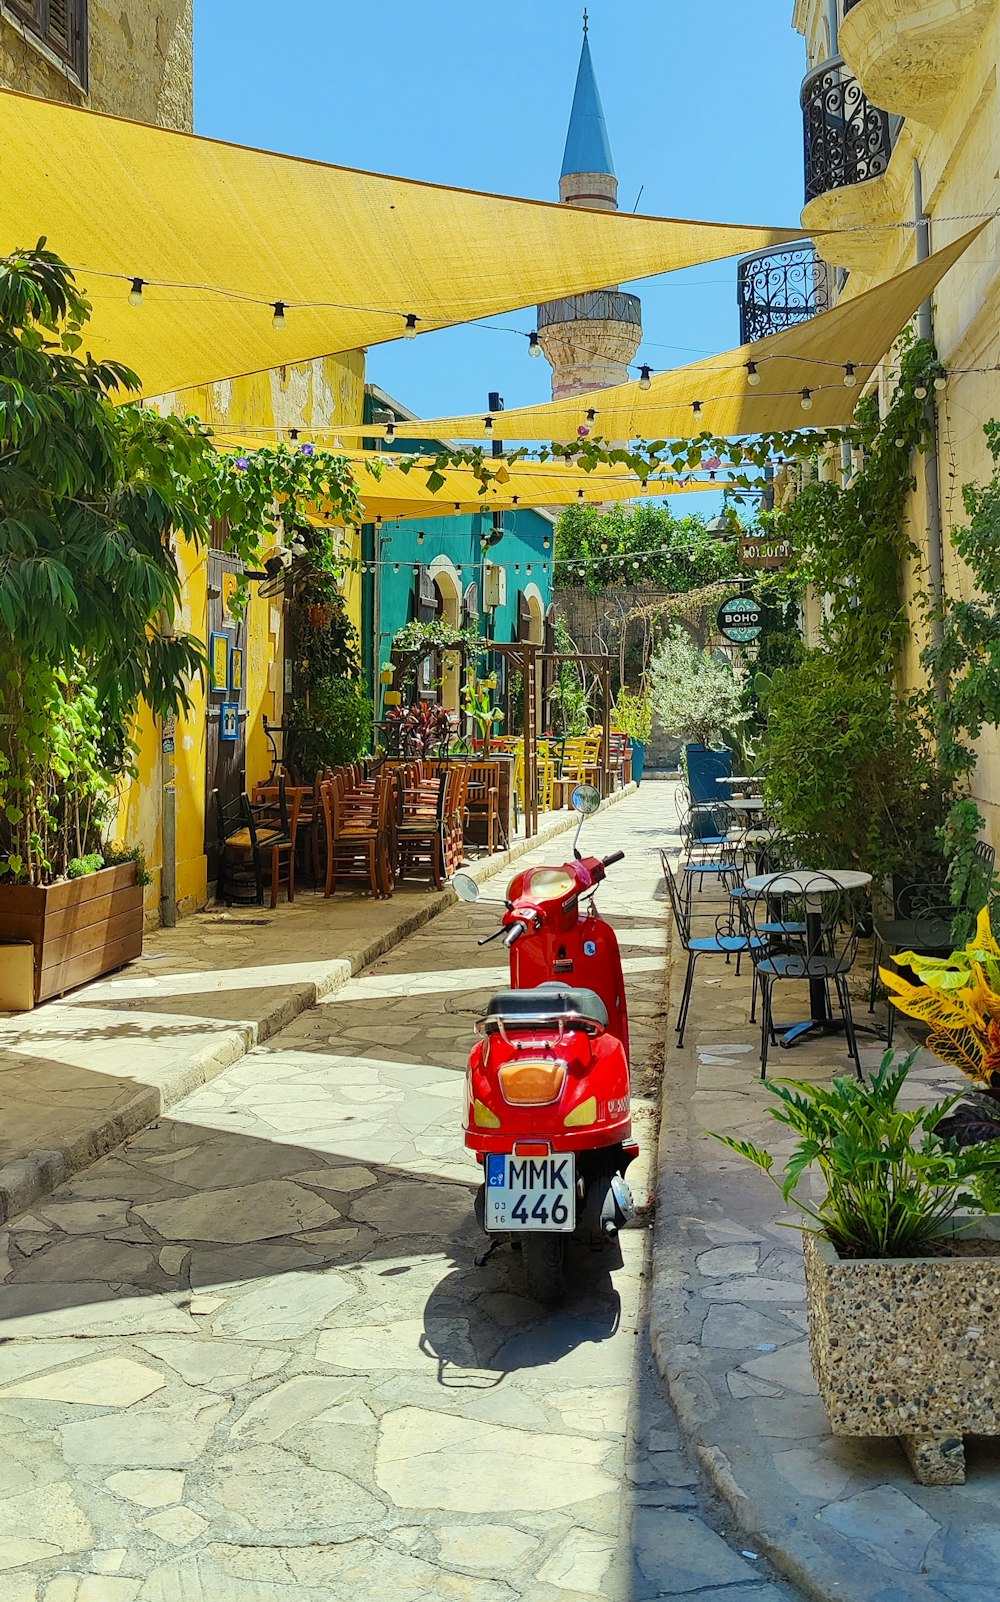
{"x":546,"y":542}
{"x":753,"y":377}
{"x":135,"y":293}
{"x":591,"y":414}
{"x":390,"y":432}
{"x":941,"y":381}
{"x":488,"y":424}
{"x":293,"y":434}
{"x":278,"y":318}
{"x":920,"y":391}
{"x":410,"y":326}
{"x":534,"y":348}
{"x":696,"y":409}
{"x":850,"y":378}
{"x":807,"y":400}
{"x":421,"y":537}
{"x":644,"y":373}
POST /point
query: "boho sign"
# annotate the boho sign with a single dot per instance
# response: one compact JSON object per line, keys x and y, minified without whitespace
{"x":761,"y":551}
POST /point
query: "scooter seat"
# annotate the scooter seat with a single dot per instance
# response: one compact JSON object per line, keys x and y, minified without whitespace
{"x":547,"y":1004}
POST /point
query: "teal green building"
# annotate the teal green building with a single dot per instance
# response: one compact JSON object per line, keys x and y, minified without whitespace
{"x":484,"y":570}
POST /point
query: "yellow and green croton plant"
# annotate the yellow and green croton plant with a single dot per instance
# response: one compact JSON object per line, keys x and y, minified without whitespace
{"x":959,"y":997}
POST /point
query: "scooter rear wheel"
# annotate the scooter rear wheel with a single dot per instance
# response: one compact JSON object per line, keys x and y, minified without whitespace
{"x":544,"y":1260}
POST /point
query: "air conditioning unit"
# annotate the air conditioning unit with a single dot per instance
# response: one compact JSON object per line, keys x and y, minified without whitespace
{"x":494,"y":586}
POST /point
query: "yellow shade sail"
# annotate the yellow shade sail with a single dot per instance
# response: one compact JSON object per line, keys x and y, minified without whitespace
{"x":219,"y":233}
{"x":718,"y":394}
{"x":391,"y":493}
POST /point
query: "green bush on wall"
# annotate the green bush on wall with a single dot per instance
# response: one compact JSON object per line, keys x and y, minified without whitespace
{"x":331,"y":729}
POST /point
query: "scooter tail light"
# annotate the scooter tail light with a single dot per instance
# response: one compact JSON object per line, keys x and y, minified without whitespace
{"x":581,"y":1116}
{"x":532,"y":1084}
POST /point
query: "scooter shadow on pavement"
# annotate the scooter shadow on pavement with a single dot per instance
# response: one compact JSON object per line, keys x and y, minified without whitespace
{"x":478,"y":1340}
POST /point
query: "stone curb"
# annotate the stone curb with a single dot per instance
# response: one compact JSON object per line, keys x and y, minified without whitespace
{"x":24,"y":1181}
{"x":800,"y":1559}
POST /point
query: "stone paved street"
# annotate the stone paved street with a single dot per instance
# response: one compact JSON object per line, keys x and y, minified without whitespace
{"x":248,"y":1357}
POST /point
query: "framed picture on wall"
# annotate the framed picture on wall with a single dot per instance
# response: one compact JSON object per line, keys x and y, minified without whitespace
{"x":236,"y":669}
{"x":218,"y":663}
{"x":229,"y":721}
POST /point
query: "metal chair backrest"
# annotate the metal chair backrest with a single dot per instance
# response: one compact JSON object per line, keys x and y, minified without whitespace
{"x":677,"y":907}
{"x":816,"y":920}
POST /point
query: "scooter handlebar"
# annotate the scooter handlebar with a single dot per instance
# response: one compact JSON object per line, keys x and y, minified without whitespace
{"x":514,"y":933}
{"x":616,"y":856}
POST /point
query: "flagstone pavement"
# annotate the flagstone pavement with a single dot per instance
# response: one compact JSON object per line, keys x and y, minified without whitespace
{"x":247,"y":1357}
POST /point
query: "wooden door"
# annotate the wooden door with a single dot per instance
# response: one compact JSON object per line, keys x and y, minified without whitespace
{"x":225,"y":760}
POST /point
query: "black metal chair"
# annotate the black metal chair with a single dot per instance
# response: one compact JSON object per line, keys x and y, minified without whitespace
{"x":708,"y":849}
{"x":922,"y":920}
{"x":727,"y":942}
{"x":813,"y":937}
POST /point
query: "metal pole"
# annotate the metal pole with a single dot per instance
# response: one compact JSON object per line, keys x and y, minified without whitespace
{"x":932,"y":471}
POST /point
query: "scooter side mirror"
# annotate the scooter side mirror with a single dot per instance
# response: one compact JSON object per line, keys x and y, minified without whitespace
{"x":465,"y":887}
{"x":586,"y":800}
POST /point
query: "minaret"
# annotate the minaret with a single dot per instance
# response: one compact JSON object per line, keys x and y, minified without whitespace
{"x":589,"y":340}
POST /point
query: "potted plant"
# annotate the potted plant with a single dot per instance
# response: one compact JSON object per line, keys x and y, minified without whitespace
{"x":632,"y":714}
{"x":477,"y":704}
{"x":902,"y":1264}
{"x":696,"y":695}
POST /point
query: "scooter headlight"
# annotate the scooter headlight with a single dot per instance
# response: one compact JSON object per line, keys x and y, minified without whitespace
{"x":532,"y":1084}
{"x":549,"y":884}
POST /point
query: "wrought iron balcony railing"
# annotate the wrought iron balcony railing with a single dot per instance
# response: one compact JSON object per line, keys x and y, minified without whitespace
{"x":778,"y":288}
{"x":847,"y":140}
{"x":848,"y":5}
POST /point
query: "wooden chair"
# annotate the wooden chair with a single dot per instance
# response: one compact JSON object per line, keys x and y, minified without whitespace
{"x":582,"y":760}
{"x":424,"y":833}
{"x":257,"y":847}
{"x":482,"y":804}
{"x":358,"y":833}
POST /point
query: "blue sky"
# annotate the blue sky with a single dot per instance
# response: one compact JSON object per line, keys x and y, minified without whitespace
{"x":701,"y":103}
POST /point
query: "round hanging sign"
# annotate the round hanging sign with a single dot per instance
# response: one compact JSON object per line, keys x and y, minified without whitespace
{"x":739,"y":619}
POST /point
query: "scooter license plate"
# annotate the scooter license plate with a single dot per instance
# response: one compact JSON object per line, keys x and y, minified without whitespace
{"x":537,"y":1193}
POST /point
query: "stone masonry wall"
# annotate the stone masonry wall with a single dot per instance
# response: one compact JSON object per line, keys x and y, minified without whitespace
{"x":141,"y":62}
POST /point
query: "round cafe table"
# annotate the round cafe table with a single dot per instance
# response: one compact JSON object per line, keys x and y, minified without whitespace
{"x":741,"y":781}
{"x":800,"y":882}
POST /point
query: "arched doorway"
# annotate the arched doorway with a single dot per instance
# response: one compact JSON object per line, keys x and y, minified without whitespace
{"x":448,"y":590}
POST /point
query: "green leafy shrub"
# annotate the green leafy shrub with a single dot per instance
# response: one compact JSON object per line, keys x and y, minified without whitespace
{"x":632,"y":714}
{"x":79,"y":867}
{"x":115,"y":855}
{"x":695,"y":695}
{"x":330,"y":728}
{"x":893,"y":1180}
{"x":850,"y":773}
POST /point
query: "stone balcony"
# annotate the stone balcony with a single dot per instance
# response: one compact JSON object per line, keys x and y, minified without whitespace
{"x":910,"y":55}
{"x":848,"y":145}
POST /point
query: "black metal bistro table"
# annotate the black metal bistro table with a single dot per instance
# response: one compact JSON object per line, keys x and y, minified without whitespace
{"x":800,"y":882}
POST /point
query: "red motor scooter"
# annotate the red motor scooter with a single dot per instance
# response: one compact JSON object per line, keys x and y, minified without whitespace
{"x":548,"y":1110}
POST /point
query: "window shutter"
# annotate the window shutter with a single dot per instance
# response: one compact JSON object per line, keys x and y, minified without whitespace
{"x":470,"y":607}
{"x":550,"y":630}
{"x":523,"y":617}
{"x":60,"y":24}
{"x":425,"y":596}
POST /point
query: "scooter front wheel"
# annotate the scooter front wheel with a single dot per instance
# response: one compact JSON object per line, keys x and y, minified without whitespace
{"x":544,"y":1261}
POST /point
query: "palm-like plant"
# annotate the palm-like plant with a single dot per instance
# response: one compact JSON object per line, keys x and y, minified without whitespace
{"x":894,"y":1180}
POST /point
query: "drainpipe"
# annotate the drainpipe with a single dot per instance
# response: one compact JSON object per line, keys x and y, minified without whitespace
{"x":168,"y":828}
{"x":834,"y":19}
{"x":932,"y":471}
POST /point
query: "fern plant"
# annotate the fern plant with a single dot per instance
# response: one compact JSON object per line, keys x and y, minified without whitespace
{"x":894,"y":1180}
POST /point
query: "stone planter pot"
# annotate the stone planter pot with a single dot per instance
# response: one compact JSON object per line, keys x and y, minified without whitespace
{"x":909,"y":1346}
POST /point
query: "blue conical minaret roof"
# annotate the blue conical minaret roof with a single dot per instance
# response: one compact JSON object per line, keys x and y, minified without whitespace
{"x":588,"y":148}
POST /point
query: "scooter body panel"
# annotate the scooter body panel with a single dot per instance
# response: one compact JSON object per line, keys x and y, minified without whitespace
{"x":595,"y":1087}
{"x":584,"y":955}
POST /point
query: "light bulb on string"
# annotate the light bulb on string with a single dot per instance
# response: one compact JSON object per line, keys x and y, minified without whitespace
{"x":488,"y":424}
{"x":941,"y":381}
{"x":850,"y":378}
{"x":135,"y":293}
{"x":900,"y":442}
{"x":390,"y":432}
{"x":410,"y":326}
{"x":528,"y":568}
{"x":421,"y":537}
{"x":920,"y":391}
{"x":644,"y":372}
{"x":696,"y":410}
{"x":395,"y":567}
{"x":293,"y":434}
{"x":546,"y":542}
{"x":534,"y":348}
{"x":807,"y":400}
{"x":591,"y":414}
{"x":753,"y":376}
{"x":278,"y":309}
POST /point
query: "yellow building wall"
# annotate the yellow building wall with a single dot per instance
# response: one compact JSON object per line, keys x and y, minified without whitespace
{"x":140,"y":62}
{"x":942,"y":56}
{"x":315,"y":395}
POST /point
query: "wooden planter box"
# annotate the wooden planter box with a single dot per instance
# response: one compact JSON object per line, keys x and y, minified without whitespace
{"x":909,"y":1346}
{"x":80,"y":928}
